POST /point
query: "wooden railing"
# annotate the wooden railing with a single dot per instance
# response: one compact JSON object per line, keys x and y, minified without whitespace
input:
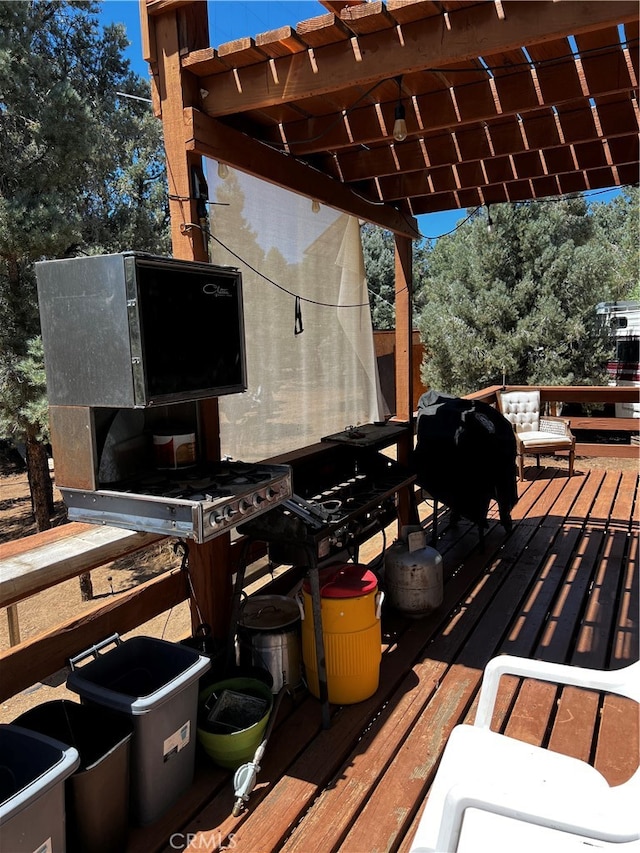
{"x":35,"y":563}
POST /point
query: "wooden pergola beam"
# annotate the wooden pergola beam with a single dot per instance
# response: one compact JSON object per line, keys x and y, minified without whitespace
{"x":318,"y":134}
{"x":472,"y":31}
{"x":210,"y":138}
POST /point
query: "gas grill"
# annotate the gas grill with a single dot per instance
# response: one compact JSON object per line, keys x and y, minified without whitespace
{"x":339,"y":500}
{"x":196,"y":503}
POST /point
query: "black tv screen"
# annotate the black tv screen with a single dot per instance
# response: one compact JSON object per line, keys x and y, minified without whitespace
{"x":192,"y":330}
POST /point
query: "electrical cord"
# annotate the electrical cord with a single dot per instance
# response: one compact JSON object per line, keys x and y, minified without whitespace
{"x":187,"y":225}
{"x":180,"y":546}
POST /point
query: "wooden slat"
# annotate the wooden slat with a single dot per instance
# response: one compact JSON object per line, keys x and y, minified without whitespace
{"x":367,"y":17}
{"x":281,"y":42}
{"x":573,"y":727}
{"x":615,"y":451}
{"x":625,"y":643}
{"x":618,"y":740}
{"x":16,"y":547}
{"x":614,"y":424}
{"x":204,"y":62}
{"x":241,"y":52}
{"x":405,"y":11}
{"x":35,"y":563}
{"x":322,"y":31}
{"x":336,"y":6}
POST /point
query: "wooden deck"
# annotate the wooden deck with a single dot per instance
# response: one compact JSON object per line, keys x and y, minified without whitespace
{"x":562,"y":586}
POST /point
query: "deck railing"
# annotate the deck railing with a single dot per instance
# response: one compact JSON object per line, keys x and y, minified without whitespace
{"x":35,"y":563}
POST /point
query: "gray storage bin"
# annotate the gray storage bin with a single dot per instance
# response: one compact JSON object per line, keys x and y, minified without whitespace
{"x":154,"y":683}
{"x":33,"y":769}
{"x":97,"y":793}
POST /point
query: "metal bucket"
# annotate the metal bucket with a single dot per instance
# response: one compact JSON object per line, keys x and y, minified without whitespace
{"x":269,"y":636}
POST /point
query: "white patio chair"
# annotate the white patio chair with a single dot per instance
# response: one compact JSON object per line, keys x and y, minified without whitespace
{"x":535,"y":433}
{"x":497,"y":794}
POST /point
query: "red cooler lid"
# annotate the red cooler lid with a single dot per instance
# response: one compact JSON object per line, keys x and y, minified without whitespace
{"x":348,"y":580}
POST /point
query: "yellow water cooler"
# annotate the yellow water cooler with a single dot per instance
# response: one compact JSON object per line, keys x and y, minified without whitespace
{"x":350,"y":606}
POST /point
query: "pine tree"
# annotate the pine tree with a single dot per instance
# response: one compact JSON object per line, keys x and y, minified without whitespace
{"x":378,"y":250}
{"x":517,"y":303}
{"x":81,"y":171}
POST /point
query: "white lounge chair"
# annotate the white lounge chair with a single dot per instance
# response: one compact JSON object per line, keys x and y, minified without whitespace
{"x":497,"y":794}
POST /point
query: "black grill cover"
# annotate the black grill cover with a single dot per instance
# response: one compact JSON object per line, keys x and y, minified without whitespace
{"x":465,"y":456}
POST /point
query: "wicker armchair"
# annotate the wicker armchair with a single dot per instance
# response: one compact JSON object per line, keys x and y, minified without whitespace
{"x":535,"y":433}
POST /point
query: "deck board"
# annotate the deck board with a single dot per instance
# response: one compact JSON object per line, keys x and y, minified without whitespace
{"x":563,"y":585}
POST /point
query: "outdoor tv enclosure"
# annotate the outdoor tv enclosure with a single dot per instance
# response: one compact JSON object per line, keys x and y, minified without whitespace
{"x":134,"y":330}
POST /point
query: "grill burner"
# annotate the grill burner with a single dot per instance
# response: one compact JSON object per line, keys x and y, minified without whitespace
{"x":212,"y":481}
{"x":197,"y":503}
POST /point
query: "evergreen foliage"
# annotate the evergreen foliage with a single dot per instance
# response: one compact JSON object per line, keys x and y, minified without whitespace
{"x":81,"y":171}
{"x":518,"y":304}
{"x":619,"y":223}
{"x":378,"y":250}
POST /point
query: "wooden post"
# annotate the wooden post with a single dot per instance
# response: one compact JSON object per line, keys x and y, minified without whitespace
{"x":13,"y":624}
{"x":170,"y":33}
{"x":404,"y":328}
{"x":407,"y":511}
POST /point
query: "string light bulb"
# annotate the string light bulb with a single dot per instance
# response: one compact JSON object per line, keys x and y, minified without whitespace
{"x":315,"y":206}
{"x":223,"y":171}
{"x":399,"y":125}
{"x":489,"y":221}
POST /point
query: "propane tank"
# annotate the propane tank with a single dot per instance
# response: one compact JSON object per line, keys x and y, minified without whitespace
{"x":413,"y":575}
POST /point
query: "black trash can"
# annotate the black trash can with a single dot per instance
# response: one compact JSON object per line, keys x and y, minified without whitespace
{"x":33,"y":769}
{"x":97,"y":794}
{"x":155,"y":684}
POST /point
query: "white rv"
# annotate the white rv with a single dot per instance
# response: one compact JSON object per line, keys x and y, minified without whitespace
{"x":623,"y":321}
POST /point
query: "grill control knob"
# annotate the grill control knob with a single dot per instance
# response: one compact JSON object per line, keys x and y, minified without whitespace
{"x":243,"y":506}
{"x":270,"y":494}
{"x":257,"y":499}
{"x":215,"y":519}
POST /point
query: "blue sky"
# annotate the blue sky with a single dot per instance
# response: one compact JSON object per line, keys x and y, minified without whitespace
{"x":232,"y":19}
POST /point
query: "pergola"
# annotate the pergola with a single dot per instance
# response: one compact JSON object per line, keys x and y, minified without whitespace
{"x":504,"y":101}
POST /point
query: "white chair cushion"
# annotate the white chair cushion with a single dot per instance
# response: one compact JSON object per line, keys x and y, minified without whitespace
{"x":536,"y":437}
{"x":521,"y":408}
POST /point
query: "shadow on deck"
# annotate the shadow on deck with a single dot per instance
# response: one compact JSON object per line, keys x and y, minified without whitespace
{"x":562,"y":586}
